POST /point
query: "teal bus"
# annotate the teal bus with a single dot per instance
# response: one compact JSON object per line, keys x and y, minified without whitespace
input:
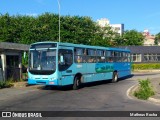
{"x":61,"y":64}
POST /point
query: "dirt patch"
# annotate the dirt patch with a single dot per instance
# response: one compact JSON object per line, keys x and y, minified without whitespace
{"x":156,"y":86}
{"x":24,"y":85}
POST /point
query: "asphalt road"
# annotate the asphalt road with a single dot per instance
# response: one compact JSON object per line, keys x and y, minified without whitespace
{"x":99,"y":96}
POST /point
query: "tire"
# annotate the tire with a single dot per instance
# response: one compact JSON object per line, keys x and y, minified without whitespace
{"x":115,"y":77}
{"x":77,"y":82}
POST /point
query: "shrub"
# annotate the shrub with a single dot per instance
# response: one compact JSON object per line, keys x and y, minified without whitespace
{"x":6,"y":84}
{"x":145,"y":66}
{"x":145,"y":90}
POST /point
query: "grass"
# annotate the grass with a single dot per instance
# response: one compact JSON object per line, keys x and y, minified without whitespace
{"x":145,"y":90}
{"x":6,"y":84}
{"x":10,"y":82}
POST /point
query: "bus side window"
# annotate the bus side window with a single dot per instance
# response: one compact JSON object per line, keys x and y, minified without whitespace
{"x":78,"y":59}
{"x":65,"y":59}
{"x":129,"y":57}
{"x":109,"y":56}
{"x":91,"y":55}
{"x":79,"y":55}
{"x":100,"y":56}
{"x":110,"y":59}
{"x":0,"y":62}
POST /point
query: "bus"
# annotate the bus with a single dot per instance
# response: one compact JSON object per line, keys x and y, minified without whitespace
{"x":61,"y":64}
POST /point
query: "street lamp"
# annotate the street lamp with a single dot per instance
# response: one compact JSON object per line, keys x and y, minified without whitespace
{"x":59,"y":7}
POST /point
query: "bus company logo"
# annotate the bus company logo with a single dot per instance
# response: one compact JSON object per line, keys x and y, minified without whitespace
{"x":6,"y":114}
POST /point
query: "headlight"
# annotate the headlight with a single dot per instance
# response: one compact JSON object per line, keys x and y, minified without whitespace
{"x":52,"y":78}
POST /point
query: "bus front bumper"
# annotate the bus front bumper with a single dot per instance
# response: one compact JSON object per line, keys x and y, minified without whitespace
{"x":44,"y":82}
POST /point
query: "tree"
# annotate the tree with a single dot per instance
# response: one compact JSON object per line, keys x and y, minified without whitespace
{"x":6,"y":28}
{"x":157,"y":39}
{"x":77,"y":29}
{"x":74,"y":29}
{"x":130,"y":37}
{"x":104,"y":36}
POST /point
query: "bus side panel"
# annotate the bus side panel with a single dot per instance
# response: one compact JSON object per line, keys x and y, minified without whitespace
{"x":67,"y":76}
{"x":123,"y":69}
{"x":103,"y":76}
{"x":103,"y":71}
{"x":90,"y":72}
{"x":98,"y":71}
{"x":67,"y":80}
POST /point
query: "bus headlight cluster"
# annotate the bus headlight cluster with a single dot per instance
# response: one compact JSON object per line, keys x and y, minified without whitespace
{"x":30,"y":77}
{"x":52,"y":79}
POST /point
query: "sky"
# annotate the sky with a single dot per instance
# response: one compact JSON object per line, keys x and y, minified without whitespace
{"x":134,"y":14}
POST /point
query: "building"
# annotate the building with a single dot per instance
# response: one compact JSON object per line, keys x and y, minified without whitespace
{"x":144,"y":54}
{"x":119,"y":28}
{"x":149,"y":39}
{"x":11,"y":60}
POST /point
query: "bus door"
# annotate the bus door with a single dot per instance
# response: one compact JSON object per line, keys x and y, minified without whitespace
{"x":65,"y":66}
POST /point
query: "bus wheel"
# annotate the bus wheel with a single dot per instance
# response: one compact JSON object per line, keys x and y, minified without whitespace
{"x":115,"y":77}
{"x":77,"y":82}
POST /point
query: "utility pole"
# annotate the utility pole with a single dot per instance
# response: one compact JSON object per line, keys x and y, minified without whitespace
{"x":59,"y":7}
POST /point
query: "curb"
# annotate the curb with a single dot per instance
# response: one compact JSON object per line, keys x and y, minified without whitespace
{"x":131,"y":90}
{"x":25,"y":85}
{"x":151,"y":99}
{"x":143,"y":71}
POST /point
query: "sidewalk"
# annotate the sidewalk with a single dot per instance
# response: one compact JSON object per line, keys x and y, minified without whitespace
{"x":156,"y":86}
{"x":18,"y":89}
{"x":146,"y":71}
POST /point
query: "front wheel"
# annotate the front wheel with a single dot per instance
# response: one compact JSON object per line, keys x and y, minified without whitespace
{"x":115,"y":77}
{"x":77,"y":82}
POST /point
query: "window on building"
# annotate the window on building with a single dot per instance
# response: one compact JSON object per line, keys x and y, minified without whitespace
{"x":117,"y":28}
{"x":12,"y":61}
{"x":136,"y":57}
{"x":151,"y":57}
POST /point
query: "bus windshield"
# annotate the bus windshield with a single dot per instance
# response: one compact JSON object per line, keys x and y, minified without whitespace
{"x":42,"y":60}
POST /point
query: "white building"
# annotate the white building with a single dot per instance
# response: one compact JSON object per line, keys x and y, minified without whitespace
{"x":119,"y":28}
{"x":103,"y":22}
